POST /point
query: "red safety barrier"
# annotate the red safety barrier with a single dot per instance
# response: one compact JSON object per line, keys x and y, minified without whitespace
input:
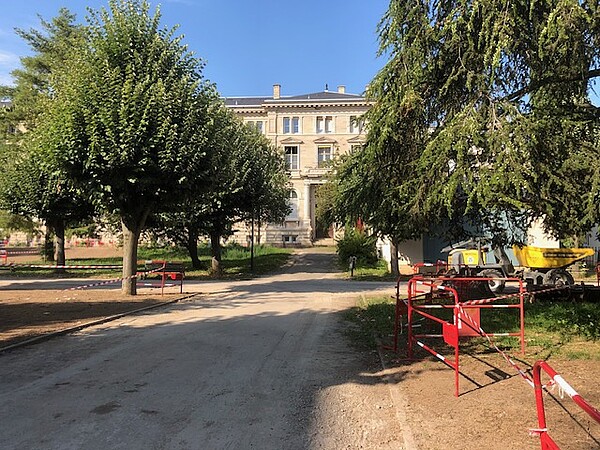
{"x":430,"y":268}
{"x":430,"y":294}
{"x":3,"y":253}
{"x":547,"y":443}
{"x":167,"y":270}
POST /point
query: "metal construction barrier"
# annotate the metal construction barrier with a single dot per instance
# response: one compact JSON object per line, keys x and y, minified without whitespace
{"x":428,"y":294}
{"x":547,"y":443}
{"x":430,"y":268}
{"x":3,"y":252}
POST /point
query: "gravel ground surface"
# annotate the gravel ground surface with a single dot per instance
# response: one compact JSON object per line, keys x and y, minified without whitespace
{"x":262,"y":364}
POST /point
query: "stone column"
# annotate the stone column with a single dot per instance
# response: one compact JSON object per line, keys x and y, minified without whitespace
{"x":307,"y":220}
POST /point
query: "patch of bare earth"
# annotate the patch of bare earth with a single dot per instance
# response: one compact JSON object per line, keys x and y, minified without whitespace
{"x":496,"y":407}
{"x":30,"y":313}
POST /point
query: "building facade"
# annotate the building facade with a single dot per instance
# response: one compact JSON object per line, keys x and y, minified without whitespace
{"x":310,"y":130}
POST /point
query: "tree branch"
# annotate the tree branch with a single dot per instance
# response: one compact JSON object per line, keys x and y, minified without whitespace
{"x":534,"y":86}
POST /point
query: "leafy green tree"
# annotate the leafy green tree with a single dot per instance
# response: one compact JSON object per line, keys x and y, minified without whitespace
{"x":51,"y":46}
{"x":128,"y":119}
{"x":366,"y":187}
{"x":31,"y":185}
{"x":489,"y":103}
{"x":248,"y":181}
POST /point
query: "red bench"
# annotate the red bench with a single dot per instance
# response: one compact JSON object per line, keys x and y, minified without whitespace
{"x":166,"y":270}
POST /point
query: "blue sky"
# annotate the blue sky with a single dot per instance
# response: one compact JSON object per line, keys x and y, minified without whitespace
{"x":248,"y":45}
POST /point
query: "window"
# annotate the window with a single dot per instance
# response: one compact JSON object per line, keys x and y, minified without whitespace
{"x":289,"y":238}
{"x":356,"y":125}
{"x":293,"y":205}
{"x":291,"y":157}
{"x":324,"y":124}
{"x":291,"y":125}
{"x":355,"y":148}
{"x":324,"y":154}
{"x":258,"y":125}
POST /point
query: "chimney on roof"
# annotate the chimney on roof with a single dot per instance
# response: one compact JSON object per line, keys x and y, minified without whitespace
{"x":341,"y":89}
{"x":276,"y":91}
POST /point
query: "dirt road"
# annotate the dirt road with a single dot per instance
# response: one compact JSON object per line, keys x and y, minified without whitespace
{"x":258,"y":364}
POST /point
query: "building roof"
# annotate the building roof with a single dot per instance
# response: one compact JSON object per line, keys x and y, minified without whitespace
{"x":323,"y":96}
{"x":246,"y":101}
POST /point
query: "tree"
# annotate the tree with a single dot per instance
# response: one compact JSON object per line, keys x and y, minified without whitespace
{"x":368,"y":188}
{"x":493,"y":99}
{"x":31,"y":185}
{"x":51,"y":46}
{"x":248,"y":181}
{"x":128,"y":119}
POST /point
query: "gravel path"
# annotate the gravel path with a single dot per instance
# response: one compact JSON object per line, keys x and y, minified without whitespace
{"x":256,"y":364}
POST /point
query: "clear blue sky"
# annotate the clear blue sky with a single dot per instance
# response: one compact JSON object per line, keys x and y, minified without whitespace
{"x":248,"y":45}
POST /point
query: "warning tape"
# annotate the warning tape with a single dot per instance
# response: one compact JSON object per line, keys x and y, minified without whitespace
{"x":114,"y":280}
{"x":476,"y":327}
{"x":47,"y":266}
{"x":25,"y":252}
{"x":507,"y":296}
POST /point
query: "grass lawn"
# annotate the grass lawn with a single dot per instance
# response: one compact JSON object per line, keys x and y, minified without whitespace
{"x":235,"y":262}
{"x":565,"y":329}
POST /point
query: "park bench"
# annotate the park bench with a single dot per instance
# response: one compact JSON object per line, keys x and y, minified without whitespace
{"x":166,"y":270}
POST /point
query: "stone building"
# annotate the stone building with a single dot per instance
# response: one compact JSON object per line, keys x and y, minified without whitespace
{"x":311,"y":130}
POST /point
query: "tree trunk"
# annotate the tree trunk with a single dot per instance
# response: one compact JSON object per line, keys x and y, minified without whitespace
{"x":394,"y":267}
{"x":192,"y":248}
{"x":59,"y":231}
{"x":252,"y":246}
{"x":131,"y":234}
{"x":48,"y":244}
{"x":215,"y":248}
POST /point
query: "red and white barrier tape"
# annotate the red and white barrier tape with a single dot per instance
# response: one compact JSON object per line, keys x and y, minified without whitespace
{"x":475,"y":326}
{"x":114,"y":280}
{"x":25,"y":252}
{"x":48,"y":266}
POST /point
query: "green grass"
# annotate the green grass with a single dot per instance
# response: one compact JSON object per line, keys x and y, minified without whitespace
{"x":570,"y":330}
{"x":235,"y":262}
{"x":368,"y":272}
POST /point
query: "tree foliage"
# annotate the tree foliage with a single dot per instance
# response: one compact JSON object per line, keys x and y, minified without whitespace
{"x":31,"y":184}
{"x":128,"y":118}
{"x":248,"y":181}
{"x":485,"y":106}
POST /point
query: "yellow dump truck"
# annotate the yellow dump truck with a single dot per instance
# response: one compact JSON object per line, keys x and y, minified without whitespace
{"x":540,"y":266}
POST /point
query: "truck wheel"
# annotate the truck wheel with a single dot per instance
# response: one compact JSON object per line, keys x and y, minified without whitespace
{"x":496,"y":286}
{"x":558,"y":277}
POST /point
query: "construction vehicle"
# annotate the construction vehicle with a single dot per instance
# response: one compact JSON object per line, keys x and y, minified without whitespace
{"x":537,"y":266}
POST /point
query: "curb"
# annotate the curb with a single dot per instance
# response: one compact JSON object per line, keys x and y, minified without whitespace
{"x":48,"y":336}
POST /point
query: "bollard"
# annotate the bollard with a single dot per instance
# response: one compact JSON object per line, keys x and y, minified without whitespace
{"x":352,"y":265}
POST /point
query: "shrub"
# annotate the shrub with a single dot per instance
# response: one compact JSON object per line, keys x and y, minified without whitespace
{"x":357,"y":243}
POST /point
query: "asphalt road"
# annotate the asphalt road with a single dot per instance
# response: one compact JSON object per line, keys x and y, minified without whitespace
{"x":256,"y":364}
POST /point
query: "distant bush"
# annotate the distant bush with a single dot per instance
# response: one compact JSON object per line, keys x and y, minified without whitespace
{"x":357,"y":243}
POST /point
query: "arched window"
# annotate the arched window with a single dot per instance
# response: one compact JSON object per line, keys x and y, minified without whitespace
{"x":293,"y":205}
